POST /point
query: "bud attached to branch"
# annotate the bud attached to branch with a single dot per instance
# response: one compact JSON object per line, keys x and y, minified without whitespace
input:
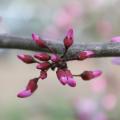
{"x":26,"y":58}
{"x":55,"y":58}
{"x":38,"y":40}
{"x":43,"y":74}
{"x":88,"y":75}
{"x":68,"y":40}
{"x":85,"y":54}
{"x":43,"y":66}
{"x":42,"y":56}
{"x":30,"y":88}
{"x":61,"y":76}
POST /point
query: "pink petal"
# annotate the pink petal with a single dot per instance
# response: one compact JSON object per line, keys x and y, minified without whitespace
{"x":71,"y":82}
{"x":116,"y":60}
{"x":24,"y":93}
{"x":63,"y":80}
{"x":116,"y":39}
{"x":97,"y":73}
{"x":70,"y":33}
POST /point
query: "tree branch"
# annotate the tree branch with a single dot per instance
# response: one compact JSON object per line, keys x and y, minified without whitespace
{"x":107,"y":49}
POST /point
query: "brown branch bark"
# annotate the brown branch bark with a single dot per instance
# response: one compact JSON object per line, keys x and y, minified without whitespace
{"x":106,"y":49}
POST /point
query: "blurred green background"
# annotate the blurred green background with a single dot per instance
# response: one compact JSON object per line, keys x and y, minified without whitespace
{"x":92,"y":21}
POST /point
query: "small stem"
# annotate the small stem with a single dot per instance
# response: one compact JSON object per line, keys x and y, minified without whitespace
{"x":76,"y":75}
{"x":50,"y":49}
{"x":64,"y":53}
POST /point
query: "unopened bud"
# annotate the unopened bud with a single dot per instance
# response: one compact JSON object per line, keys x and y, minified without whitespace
{"x":70,"y":81}
{"x":55,"y":58}
{"x":85,"y":54}
{"x":43,"y":74}
{"x":88,"y":75}
{"x":38,"y":40}
{"x":30,"y":88}
{"x":42,"y":56}
{"x":26,"y":58}
{"x":61,"y":76}
{"x":43,"y":66}
{"x":68,"y":41}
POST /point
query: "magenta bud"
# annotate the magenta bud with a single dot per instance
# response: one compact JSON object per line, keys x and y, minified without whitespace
{"x":85,"y":54}
{"x":68,"y":40}
{"x":42,"y":56}
{"x":70,"y":81}
{"x":43,"y":66}
{"x":38,"y":40}
{"x":55,"y":58}
{"x":26,"y":58}
{"x":61,"y":76}
{"x":43,"y":74}
{"x":116,"y":39}
{"x":88,"y":75}
{"x":24,"y":93}
{"x":30,"y":88}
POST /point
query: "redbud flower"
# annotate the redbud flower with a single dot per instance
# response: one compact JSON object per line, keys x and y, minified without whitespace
{"x":88,"y":75}
{"x":55,"y":58}
{"x":85,"y":54}
{"x":68,"y":41}
{"x":61,"y":76}
{"x":116,"y":60}
{"x":30,"y":88}
{"x":43,"y":74}
{"x":26,"y":58}
{"x":38,"y":40}
{"x":71,"y":82}
{"x":43,"y":66}
{"x":42,"y":56}
{"x":45,"y":62}
{"x":116,"y":39}
{"x":65,"y":77}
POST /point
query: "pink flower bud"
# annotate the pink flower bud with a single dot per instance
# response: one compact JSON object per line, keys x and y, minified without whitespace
{"x":61,"y":76}
{"x":68,"y":41}
{"x":116,"y":39}
{"x":70,"y":81}
{"x":43,"y":66}
{"x":85,"y":54}
{"x":38,"y":40}
{"x":30,"y":88}
{"x":24,"y":93}
{"x":88,"y":75}
{"x":43,"y":74}
{"x":42,"y":56}
{"x":55,"y":58}
{"x":26,"y":58}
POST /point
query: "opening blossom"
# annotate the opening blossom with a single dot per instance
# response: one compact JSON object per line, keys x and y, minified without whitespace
{"x":44,"y":62}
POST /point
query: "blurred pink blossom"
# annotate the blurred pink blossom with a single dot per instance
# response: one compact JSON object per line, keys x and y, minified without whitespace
{"x":116,"y":60}
{"x":63,"y":18}
{"x":85,"y":109}
{"x":104,"y":28}
{"x":74,"y":8}
{"x":68,"y":13}
{"x":115,"y":39}
{"x":99,"y":85}
{"x":109,"y":101}
{"x":96,"y":4}
{"x":100,"y":116}
{"x":51,"y":32}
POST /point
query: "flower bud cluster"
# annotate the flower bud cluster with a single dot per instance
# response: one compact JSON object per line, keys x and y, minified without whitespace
{"x":45,"y":61}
